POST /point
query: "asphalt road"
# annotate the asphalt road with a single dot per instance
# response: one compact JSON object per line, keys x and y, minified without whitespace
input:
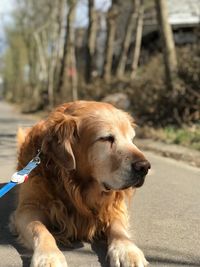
{"x":165,"y":212}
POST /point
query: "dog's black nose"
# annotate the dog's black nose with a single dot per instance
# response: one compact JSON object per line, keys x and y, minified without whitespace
{"x":141,"y":167}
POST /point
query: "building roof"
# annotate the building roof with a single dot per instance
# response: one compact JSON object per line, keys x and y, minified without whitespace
{"x":184,"y":12}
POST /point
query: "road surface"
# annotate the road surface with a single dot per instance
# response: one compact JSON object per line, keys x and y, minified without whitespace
{"x":165,"y":213}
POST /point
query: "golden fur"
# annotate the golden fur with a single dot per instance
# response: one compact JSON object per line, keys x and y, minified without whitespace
{"x":62,"y":193}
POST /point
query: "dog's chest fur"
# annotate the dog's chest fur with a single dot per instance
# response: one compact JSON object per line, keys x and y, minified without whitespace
{"x":74,"y":218}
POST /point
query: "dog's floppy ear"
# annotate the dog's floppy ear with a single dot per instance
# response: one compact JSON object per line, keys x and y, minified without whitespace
{"x":61,"y":132}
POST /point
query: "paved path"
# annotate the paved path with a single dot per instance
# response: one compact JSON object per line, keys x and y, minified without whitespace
{"x":165,"y":222}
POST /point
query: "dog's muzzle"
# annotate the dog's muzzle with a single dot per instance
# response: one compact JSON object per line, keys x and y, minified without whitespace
{"x":139,"y":170}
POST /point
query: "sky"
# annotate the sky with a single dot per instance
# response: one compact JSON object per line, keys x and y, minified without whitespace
{"x":82,"y":10}
{"x":6,"y":7}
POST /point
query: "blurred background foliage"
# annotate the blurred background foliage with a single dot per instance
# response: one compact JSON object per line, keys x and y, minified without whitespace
{"x":143,"y":54}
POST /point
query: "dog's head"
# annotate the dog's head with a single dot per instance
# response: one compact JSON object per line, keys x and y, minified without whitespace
{"x":96,"y":140}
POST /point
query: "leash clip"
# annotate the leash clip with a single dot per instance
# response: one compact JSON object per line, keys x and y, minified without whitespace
{"x":37,"y":159}
{"x":22,"y":175}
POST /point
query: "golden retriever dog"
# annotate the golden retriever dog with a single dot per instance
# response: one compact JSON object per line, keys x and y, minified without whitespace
{"x":89,"y":167}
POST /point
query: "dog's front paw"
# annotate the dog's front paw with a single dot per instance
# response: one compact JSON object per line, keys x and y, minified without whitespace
{"x":124,"y":253}
{"x":48,"y":258}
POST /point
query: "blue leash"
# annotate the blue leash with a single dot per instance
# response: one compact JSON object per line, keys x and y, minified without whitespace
{"x":21,"y":176}
{"x":7,"y":188}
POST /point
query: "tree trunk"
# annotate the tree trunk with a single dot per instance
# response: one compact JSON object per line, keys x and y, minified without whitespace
{"x":138,"y":38}
{"x":42,"y":59}
{"x":68,"y":76}
{"x":169,"y":51}
{"x":91,"y":42}
{"x":55,"y":36}
{"x":127,"y":40}
{"x":111,"y":30}
{"x":60,"y":42}
{"x":31,"y":77}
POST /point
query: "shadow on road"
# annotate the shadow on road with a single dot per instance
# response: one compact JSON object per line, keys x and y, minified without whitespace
{"x":100,"y":248}
{"x":7,"y":206}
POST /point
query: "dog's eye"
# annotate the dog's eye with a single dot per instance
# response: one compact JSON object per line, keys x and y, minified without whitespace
{"x":109,"y":138}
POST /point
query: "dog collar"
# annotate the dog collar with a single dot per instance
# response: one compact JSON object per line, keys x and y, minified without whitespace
{"x":22,"y":175}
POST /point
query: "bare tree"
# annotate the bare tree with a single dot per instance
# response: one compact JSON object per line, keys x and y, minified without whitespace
{"x":91,"y":41}
{"x":111,"y":31}
{"x":41,"y":57}
{"x":138,"y":37}
{"x":33,"y":30}
{"x":57,"y":17}
{"x":131,"y":23}
{"x":68,"y":75}
{"x":169,"y":51}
